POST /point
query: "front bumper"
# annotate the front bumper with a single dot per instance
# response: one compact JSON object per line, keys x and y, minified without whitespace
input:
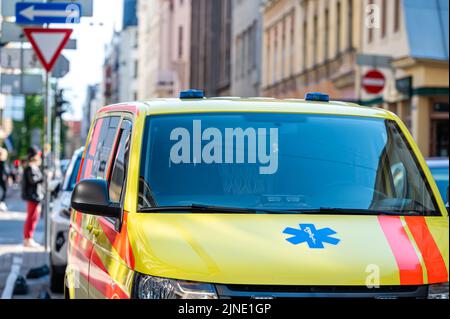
{"x":261,"y":292}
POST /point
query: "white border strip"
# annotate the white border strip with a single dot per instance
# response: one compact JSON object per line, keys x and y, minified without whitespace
{"x":12,"y":277}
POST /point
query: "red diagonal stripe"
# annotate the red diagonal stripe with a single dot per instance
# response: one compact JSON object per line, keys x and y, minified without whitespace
{"x":96,"y":260}
{"x":434,"y":262}
{"x":406,"y":257}
{"x":102,"y":286}
{"x":120,"y":241}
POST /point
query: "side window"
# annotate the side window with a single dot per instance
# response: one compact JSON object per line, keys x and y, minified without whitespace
{"x":118,"y":173}
{"x":100,"y":148}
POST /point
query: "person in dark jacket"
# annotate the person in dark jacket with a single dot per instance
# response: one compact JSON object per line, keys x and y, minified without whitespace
{"x":32,"y":193}
{"x":4,"y":175}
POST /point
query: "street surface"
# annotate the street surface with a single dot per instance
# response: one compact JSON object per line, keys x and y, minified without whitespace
{"x":15,"y":260}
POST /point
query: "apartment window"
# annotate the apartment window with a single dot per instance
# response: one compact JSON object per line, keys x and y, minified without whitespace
{"x":370,"y":36}
{"x":383,"y":18}
{"x":248,"y":65}
{"x":269,"y":57}
{"x":275,"y":56}
{"x":238,"y":58}
{"x":252,"y":47}
{"x":255,"y":46}
{"x":338,"y":28}
{"x":326,"y":35}
{"x":243,"y":51}
{"x":180,"y":42}
{"x":292,"y":53}
{"x":224,"y":44}
{"x":283,"y":47}
{"x":350,"y":24}
{"x":315,"y":37}
{"x":397,"y":15}
{"x":136,"y":40}
{"x":136,"y":69}
{"x":305,"y":45}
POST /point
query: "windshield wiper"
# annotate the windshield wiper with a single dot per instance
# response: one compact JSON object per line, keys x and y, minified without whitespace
{"x":196,"y":208}
{"x":355,"y":211}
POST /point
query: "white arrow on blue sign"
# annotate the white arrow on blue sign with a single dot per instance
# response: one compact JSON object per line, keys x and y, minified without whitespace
{"x":41,"y":13}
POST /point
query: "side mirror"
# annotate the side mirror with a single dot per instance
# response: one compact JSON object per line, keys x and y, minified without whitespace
{"x":91,"y":196}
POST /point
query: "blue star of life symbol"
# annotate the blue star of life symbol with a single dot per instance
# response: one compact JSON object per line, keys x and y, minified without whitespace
{"x":315,"y":238}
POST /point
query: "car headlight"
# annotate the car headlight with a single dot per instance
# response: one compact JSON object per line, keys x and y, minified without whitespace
{"x":149,"y":287}
{"x":438,"y":291}
{"x":65,"y":213}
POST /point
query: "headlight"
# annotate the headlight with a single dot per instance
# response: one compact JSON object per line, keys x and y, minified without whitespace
{"x":64,"y":213}
{"x":148,"y":287}
{"x":438,"y":291}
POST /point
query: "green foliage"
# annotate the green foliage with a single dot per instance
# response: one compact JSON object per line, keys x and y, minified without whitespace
{"x":23,"y":130}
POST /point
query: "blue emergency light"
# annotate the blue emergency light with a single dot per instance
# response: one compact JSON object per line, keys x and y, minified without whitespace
{"x":192,"y":94}
{"x":317,"y":97}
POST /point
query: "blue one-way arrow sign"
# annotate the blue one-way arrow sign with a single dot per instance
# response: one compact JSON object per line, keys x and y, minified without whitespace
{"x":41,"y":13}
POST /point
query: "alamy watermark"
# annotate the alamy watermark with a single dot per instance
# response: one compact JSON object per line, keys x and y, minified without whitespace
{"x":373,"y":277}
{"x":228,"y":146}
{"x":73,"y":13}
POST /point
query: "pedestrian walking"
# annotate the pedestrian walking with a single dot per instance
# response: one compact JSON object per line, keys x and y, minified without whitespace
{"x":4,"y":176}
{"x":32,"y":193}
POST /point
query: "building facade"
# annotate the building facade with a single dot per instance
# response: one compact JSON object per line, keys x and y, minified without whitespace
{"x":94,"y":101}
{"x":246,"y":48}
{"x":180,"y":35}
{"x":164,"y":40}
{"x":210,"y":58}
{"x":128,"y":53}
{"x":417,"y":79}
{"x":310,"y":45}
{"x":128,"y":65}
{"x":111,"y":71}
{"x":73,"y":138}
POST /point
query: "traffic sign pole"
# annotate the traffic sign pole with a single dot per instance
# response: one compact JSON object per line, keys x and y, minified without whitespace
{"x":47,"y":160}
{"x":48,"y":44}
{"x":47,"y":151}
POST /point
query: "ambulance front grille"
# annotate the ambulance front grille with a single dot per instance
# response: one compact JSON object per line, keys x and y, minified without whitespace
{"x":262,"y":291}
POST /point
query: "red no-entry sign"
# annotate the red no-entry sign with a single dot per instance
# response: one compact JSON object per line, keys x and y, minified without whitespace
{"x":373,"y":82}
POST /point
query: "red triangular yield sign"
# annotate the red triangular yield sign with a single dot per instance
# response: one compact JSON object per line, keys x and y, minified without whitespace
{"x":48,"y":44}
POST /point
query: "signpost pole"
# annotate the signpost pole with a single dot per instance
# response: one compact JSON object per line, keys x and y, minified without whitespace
{"x":48,"y":49}
{"x":47,"y":162}
{"x":48,"y":154}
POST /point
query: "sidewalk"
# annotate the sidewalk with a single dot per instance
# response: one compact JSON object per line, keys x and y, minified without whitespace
{"x":16,"y":260}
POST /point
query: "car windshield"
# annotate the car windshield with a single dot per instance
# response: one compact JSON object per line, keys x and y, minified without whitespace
{"x":282,"y":162}
{"x":440,"y":174}
{"x":74,"y":175}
